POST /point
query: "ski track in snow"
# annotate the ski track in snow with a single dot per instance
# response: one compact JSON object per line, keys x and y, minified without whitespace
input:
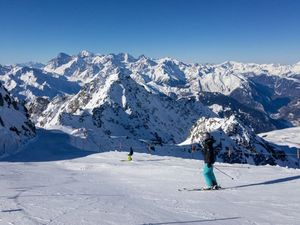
{"x":82,"y":188}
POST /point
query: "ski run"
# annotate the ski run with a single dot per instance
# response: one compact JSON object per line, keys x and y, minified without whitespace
{"x":53,"y":183}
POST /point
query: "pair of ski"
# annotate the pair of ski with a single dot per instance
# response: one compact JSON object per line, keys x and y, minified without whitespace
{"x":200,"y":189}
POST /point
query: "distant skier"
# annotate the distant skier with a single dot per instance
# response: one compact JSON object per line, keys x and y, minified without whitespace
{"x":209,"y":159}
{"x":130,"y":154}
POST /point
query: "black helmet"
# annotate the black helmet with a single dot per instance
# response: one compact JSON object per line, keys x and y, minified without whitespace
{"x":206,"y":135}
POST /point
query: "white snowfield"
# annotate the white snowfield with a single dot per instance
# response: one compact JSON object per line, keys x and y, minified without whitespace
{"x":289,"y":137}
{"x":52,"y":183}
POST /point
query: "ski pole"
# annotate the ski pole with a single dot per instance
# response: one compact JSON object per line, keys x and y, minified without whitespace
{"x":224,"y":173}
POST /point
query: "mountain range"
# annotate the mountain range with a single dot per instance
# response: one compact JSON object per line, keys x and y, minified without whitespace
{"x":96,"y":98}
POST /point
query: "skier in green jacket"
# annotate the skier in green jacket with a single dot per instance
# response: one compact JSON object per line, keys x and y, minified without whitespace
{"x":130,"y":154}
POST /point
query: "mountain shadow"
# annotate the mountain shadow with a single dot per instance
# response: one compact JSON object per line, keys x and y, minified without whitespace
{"x":49,"y":145}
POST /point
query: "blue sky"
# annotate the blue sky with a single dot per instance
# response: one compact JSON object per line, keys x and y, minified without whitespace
{"x":261,"y":31}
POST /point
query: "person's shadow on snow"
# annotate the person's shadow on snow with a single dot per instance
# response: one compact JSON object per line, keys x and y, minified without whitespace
{"x":275,"y":181}
{"x":192,"y":221}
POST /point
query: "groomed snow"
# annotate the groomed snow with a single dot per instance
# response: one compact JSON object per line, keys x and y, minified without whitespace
{"x":53,"y":183}
{"x":289,"y":137}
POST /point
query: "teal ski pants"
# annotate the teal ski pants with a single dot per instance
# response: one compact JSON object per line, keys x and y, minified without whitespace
{"x":209,"y":175}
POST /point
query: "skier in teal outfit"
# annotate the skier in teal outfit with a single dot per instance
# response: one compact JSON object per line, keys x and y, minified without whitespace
{"x":209,"y":159}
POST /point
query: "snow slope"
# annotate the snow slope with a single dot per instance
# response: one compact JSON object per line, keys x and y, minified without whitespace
{"x":101,"y":189}
{"x":288,"y":136}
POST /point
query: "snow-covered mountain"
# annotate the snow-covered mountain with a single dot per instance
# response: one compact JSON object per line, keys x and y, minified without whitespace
{"x":79,"y":67}
{"x":265,"y":97}
{"x":259,"y":94}
{"x":116,"y":105}
{"x":159,"y":100}
{"x":15,"y":127}
{"x":28,"y":83}
{"x":236,"y":143}
{"x":35,"y":86}
{"x":31,"y":64}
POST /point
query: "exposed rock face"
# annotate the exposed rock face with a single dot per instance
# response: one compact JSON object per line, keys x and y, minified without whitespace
{"x":15,"y":127}
{"x":235,"y":143}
